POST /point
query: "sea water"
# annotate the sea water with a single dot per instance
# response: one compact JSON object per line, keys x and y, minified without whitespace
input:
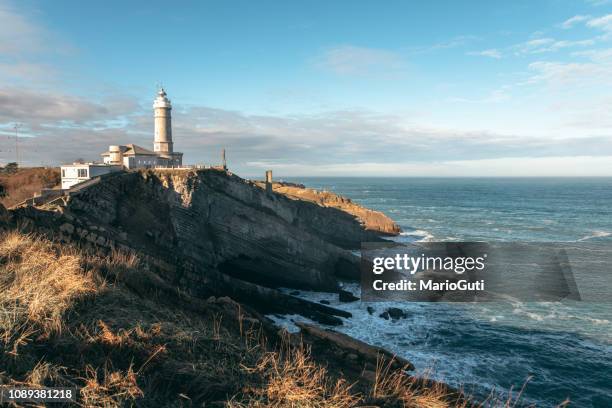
{"x":559,"y":349}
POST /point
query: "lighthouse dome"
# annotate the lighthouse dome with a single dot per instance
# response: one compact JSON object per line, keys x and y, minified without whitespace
{"x":162,"y":100}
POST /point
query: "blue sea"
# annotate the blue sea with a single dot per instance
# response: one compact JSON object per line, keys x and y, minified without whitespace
{"x":558,"y":350}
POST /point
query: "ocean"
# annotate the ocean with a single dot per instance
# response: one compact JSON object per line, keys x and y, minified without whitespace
{"x":558,"y":350}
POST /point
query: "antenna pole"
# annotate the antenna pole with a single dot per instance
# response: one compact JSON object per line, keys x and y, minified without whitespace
{"x":16,"y":127}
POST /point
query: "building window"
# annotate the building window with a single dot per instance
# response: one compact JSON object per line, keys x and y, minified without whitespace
{"x":82,"y":172}
{"x":64,"y":173}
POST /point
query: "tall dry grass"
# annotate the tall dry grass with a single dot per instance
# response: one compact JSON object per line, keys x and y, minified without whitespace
{"x":39,"y":282}
{"x":291,"y":378}
{"x":114,"y":388}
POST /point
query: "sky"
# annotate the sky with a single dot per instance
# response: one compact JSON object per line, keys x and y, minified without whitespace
{"x":335,"y":88}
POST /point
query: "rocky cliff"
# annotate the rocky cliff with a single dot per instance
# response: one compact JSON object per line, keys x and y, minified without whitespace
{"x":370,"y":220}
{"x":209,"y":232}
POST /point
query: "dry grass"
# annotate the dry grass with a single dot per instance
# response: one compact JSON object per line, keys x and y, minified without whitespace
{"x":393,"y":384}
{"x":110,"y":388}
{"x":292,"y":379}
{"x":38,"y":284}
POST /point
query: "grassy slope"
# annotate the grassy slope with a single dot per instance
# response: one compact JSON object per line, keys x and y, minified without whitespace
{"x":66,"y":319}
{"x":25,"y":182}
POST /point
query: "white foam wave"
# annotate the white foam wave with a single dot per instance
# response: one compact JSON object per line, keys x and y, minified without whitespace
{"x":596,"y":234}
{"x":423,"y":235}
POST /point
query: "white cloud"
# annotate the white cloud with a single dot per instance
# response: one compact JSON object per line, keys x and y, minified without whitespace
{"x":353,"y":60}
{"x":491,"y":53}
{"x":544,"y":45}
{"x":596,"y":55}
{"x":571,"y":73}
{"x":603,"y":22}
{"x":572,"y":166}
{"x":49,"y":107}
{"x":571,"y":22}
{"x":22,"y":70}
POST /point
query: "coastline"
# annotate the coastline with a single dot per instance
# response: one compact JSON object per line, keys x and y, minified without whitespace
{"x":93,"y":222}
{"x":422,"y":337}
{"x":494,"y":346}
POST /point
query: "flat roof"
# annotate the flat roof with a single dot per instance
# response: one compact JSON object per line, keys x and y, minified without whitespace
{"x":90,"y":165}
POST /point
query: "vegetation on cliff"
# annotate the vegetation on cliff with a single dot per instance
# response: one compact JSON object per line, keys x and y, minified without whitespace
{"x":17,"y":184}
{"x":69,"y":319}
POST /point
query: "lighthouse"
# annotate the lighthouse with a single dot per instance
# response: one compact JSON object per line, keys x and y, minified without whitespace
{"x":132,"y":156}
{"x":162,"y":142}
{"x":162,"y":107}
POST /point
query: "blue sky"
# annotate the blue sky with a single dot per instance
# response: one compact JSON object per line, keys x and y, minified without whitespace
{"x":440,"y":88}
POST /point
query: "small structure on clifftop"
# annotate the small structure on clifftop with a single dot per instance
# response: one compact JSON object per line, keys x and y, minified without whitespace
{"x":269,"y":181}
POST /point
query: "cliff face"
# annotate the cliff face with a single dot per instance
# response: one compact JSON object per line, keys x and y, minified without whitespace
{"x":208,"y":220}
{"x":373,"y":223}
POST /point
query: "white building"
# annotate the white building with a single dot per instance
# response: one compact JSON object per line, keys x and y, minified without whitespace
{"x":132,"y":156}
{"x":79,"y":172}
{"x":163,"y":155}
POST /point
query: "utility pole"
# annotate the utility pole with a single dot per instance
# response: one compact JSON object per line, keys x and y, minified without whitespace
{"x":17,"y":126}
{"x":224,"y":160}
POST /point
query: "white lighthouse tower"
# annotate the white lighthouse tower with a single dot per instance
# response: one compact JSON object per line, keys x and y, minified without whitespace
{"x":163,"y":123}
{"x":162,"y":143}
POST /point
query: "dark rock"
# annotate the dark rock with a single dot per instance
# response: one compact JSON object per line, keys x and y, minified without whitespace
{"x":324,"y":302}
{"x":370,"y":310}
{"x":396,"y":313}
{"x":384,"y":315}
{"x":332,"y":340}
{"x":328,"y":319}
{"x":271,"y":300}
{"x":346,"y":296}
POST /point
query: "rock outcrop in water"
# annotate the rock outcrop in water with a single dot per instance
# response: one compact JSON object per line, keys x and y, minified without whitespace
{"x":209,"y":233}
